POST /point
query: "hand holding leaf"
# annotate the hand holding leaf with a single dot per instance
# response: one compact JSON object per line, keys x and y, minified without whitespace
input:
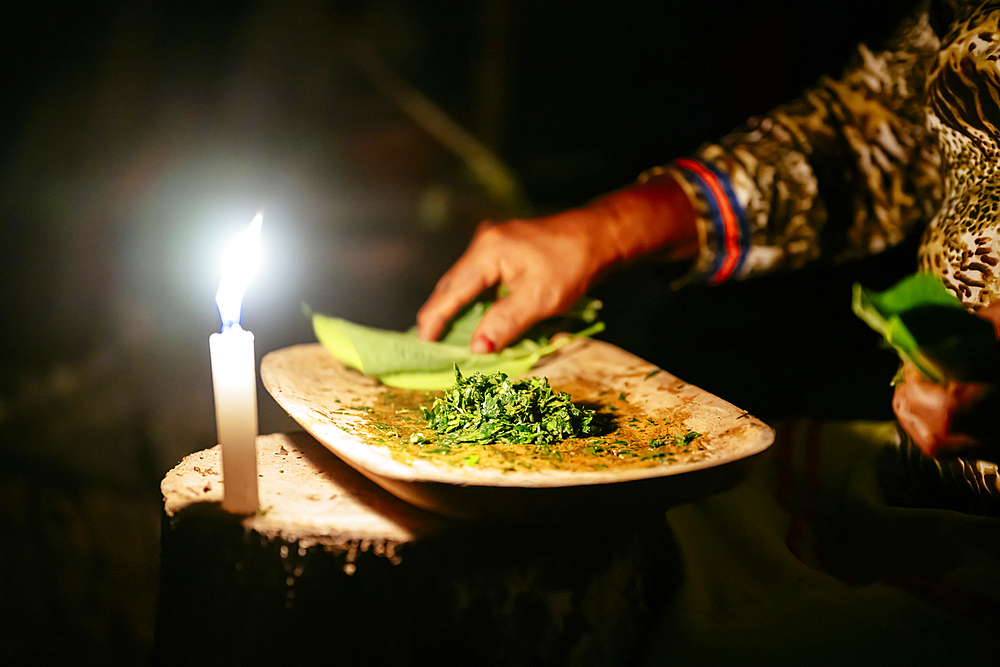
{"x":400,"y":359}
{"x":930,"y":328}
{"x":945,"y":396}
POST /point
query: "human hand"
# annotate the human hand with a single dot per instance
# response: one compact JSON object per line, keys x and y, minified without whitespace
{"x":547,"y":263}
{"x":945,"y":418}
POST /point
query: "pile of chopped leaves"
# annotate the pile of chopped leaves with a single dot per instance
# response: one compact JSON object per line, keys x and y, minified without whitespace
{"x":491,"y":408}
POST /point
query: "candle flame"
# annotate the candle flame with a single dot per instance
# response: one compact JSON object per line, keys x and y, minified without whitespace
{"x":239,"y":262}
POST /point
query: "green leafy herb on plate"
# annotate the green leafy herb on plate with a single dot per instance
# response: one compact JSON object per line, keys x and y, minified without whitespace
{"x":484,"y":409}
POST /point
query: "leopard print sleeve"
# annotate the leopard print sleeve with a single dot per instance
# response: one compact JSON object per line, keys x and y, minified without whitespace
{"x":846,"y":170}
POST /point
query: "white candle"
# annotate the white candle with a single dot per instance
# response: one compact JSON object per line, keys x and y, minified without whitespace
{"x":234,"y":376}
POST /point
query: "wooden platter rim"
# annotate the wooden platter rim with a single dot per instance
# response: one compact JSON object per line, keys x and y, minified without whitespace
{"x":318,"y":391}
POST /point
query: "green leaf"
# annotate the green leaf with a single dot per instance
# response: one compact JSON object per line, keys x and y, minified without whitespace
{"x":400,"y":359}
{"x":377,"y":352}
{"x":459,"y":331}
{"x":928,"y":326}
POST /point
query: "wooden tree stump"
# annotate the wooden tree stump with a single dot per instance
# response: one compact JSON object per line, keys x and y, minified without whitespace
{"x":334,"y":568}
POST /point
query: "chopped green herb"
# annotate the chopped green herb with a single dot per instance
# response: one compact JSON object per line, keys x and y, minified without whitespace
{"x":485,"y":409}
{"x":625,"y":438}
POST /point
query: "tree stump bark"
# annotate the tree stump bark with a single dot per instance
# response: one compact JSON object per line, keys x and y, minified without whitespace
{"x":334,"y":568}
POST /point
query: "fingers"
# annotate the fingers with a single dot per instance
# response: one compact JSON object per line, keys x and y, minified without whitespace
{"x":511,"y":316}
{"x":457,"y":287}
{"x":911,"y":409}
{"x":545,"y":264}
{"x":926,"y":411}
{"x":476,"y":270}
{"x":944,"y":418}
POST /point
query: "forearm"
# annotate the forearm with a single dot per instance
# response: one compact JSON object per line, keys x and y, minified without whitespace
{"x":548,"y":263}
{"x":651,"y":219}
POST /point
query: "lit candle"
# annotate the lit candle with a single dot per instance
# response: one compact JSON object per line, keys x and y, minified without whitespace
{"x":234,"y":375}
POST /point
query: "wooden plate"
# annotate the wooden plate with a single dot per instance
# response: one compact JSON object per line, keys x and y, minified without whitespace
{"x":317,"y":390}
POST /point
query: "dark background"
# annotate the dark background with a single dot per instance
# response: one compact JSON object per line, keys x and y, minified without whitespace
{"x":136,"y":137}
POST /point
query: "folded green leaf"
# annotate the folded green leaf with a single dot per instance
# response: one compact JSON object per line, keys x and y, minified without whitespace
{"x":400,"y":359}
{"x":929,"y":327}
{"x":459,"y":331}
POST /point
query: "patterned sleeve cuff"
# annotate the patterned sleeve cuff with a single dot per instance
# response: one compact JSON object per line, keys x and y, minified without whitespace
{"x":723,"y":227}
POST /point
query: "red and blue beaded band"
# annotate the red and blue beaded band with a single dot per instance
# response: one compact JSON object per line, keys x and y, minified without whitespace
{"x":727,"y":216}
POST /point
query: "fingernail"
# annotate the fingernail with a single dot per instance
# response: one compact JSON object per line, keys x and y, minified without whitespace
{"x":483,"y":345}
